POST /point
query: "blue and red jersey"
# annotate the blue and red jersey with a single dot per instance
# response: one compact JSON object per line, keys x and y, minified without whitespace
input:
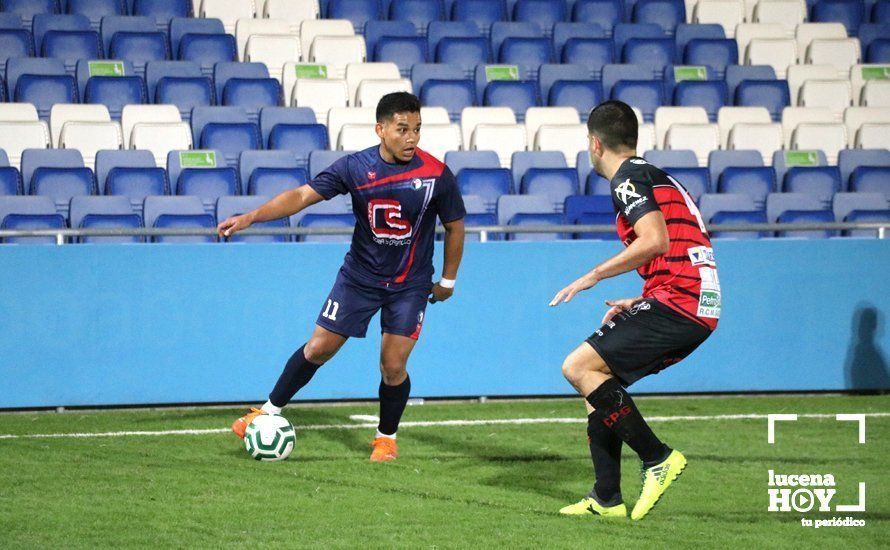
{"x":395,"y":207}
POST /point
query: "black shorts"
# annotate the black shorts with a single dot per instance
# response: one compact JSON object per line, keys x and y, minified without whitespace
{"x":645,"y":340}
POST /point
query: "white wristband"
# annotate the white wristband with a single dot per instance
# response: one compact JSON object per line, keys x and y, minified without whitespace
{"x":446,"y":283}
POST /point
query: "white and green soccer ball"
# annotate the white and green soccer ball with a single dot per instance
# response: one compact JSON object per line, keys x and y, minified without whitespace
{"x":270,"y":437}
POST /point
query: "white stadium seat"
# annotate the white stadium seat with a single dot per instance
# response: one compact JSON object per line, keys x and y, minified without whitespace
{"x":568,"y":139}
{"x":292,"y":11}
{"x":832,"y":94}
{"x":727,"y":13}
{"x":535,"y":117}
{"x":798,"y":74}
{"x":16,"y":136}
{"x":860,"y":74}
{"x":855,"y":117}
{"x":438,"y":139}
{"x":472,"y":116}
{"x":793,"y":116}
{"x":356,"y":72}
{"x":746,"y":32}
{"x":727,"y":117}
{"x":503,"y":139}
{"x":228,"y":11}
{"x":777,"y":53}
{"x":788,"y":13}
{"x":807,"y":32}
{"x":843,"y":53}
{"x":161,"y":138}
{"x":873,"y":136}
{"x":290,"y":75}
{"x":337,"y":52}
{"x":875,"y":93}
{"x":18,"y":112}
{"x":434,"y":115}
{"x":698,"y":138}
{"x":355,"y":137}
{"x":646,"y":138}
{"x":666,"y":116}
{"x":275,"y":50}
{"x":311,"y":28}
{"x":371,"y":90}
{"x":90,"y":138}
{"x":765,"y":138}
{"x":137,"y":114}
{"x":247,"y":27}
{"x":62,"y":113}
{"x":339,"y":116}
{"x":320,"y":95}
{"x":828,"y":138}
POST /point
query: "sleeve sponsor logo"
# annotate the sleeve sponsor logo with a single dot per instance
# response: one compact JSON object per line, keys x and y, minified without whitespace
{"x":702,"y":255}
{"x":626,"y":191}
{"x":710,"y":299}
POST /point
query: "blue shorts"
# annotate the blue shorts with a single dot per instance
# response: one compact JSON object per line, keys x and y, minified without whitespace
{"x":350,"y":305}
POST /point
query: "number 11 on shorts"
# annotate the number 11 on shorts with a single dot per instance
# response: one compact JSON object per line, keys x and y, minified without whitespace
{"x":330,"y":310}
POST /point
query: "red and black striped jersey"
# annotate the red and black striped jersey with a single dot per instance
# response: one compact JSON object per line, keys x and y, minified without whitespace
{"x":684,"y":279}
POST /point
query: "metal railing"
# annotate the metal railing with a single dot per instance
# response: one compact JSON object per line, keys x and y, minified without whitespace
{"x":484,"y":231}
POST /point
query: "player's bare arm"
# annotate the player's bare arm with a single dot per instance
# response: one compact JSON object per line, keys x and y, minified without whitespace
{"x":454,"y":251}
{"x":286,"y":204}
{"x":652,"y":241}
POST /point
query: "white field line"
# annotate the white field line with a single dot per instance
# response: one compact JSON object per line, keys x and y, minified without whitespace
{"x":416,"y":424}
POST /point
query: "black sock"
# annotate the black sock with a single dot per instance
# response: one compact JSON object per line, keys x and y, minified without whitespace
{"x":617,"y":411}
{"x":297,"y":373}
{"x":605,"y":451}
{"x":392,"y":404}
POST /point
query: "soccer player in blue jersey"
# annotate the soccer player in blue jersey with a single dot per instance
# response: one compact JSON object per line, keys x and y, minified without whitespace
{"x":398,"y":191}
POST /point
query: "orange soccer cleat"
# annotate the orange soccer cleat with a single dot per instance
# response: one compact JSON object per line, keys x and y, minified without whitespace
{"x":240,"y":425}
{"x":385,"y":449}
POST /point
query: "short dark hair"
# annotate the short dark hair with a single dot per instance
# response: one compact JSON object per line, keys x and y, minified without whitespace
{"x":396,"y":102}
{"x":615,"y":124}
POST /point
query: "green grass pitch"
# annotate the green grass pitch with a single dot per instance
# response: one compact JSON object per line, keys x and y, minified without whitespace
{"x":482,"y":486}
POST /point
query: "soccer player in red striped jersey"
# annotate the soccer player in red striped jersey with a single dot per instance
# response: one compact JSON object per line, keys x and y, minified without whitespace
{"x":667,"y":244}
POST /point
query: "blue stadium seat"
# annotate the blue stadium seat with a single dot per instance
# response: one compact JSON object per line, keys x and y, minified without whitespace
{"x":225,"y":71}
{"x":111,"y":221}
{"x":31,"y":222}
{"x":44,"y":91}
{"x":595,"y":184}
{"x":716,"y":53}
{"x":10,"y":181}
{"x":139,"y":48}
{"x":483,"y":72}
{"x":871,"y":179}
{"x":544,"y":13}
{"x":578,"y":205}
{"x":54,"y":158}
{"x":375,"y":30}
{"x":870,"y":32}
{"x":18,"y":66}
{"x":319,"y":160}
{"x":875,"y":215}
{"x":10,"y":21}
{"x":481,"y":12}
{"x":613,"y":73}
{"x":208,"y":184}
{"x":738,"y":218}
{"x":521,"y":161}
{"x":695,"y":180}
{"x":419,"y":13}
{"x":233,"y":206}
{"x":437,"y":30}
{"x":477,"y":220}
{"x":273,"y":181}
{"x":845,"y":203}
{"x":98,"y":207}
{"x":583,"y":95}
{"x":252,"y":94}
{"x":605,"y":13}
{"x":179,"y":213}
{"x":186,"y":93}
{"x":772,"y":94}
{"x":328,"y":221}
{"x":851,"y":13}
{"x":27,"y":9}
{"x":784,"y":160}
{"x":678,"y":158}
{"x":110,"y":159}
{"x":518,"y":95}
{"x":454,"y":95}
{"x":87,"y":68}
{"x":653,"y":53}
{"x":458,"y":160}
{"x":404,"y":51}
{"x":851,"y":159}
{"x":502,"y":30}
{"x":597,"y":218}
{"x":463,"y":52}
{"x":719,"y":160}
{"x":532,"y":219}
{"x":299,"y":139}
{"x":95,"y":10}
{"x":735,"y":74}
{"x":711,"y":95}
{"x":156,"y":70}
{"x":113,"y":24}
{"x":646,"y":95}
{"x":820,"y":181}
{"x":626,"y":31}
{"x":807,"y":216}
{"x":754,"y":182}
{"x":60,"y":184}
{"x":273,"y":116}
{"x":880,"y":12}
{"x":778,"y":203}
{"x":711,"y":203}
{"x":46,"y":22}
{"x":115,"y":92}
{"x":70,"y":46}
{"x":551,"y":72}
{"x":15,"y":43}
{"x":359,"y":12}
{"x":554,"y":183}
{"x":208,"y":49}
{"x":488,"y":183}
{"x":136,"y":183}
{"x":421,"y":72}
{"x":593,"y":53}
{"x":878,"y":51}
{"x":686,"y":32}
{"x":177,"y":161}
{"x":563,"y":31}
{"x":181,"y":26}
{"x":163,"y":10}
{"x":230,"y":139}
{"x":665,"y":13}
{"x":251,"y":160}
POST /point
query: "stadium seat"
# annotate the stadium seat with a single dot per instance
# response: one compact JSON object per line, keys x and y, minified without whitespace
{"x":43,"y":91}
{"x":504,"y":139}
{"x":251,"y":160}
{"x":327,"y":214}
{"x":156,"y":70}
{"x":746,"y":32}
{"x":843,"y":53}
{"x":849,"y":160}
{"x":543,"y":13}
{"x":622,"y":32}
{"x":828,"y":138}
{"x":340,"y":116}
{"x":113,"y":24}
{"x":19,"y":66}
{"x":794,"y":116}
{"x":481,"y":12}
{"x":125,"y":158}
{"x":208,"y":184}
{"x":273,"y":181}
{"x":845,"y":203}
{"x":772,"y":94}
{"x":762,"y":137}
{"x":60,"y":184}
{"x":45,"y":22}
{"x":162,"y":10}
{"x":807,"y":216}
{"x":687,"y":32}
{"x":835,"y":95}
{"x":458,"y":160}
{"x":310,"y":29}
{"x":564,"y":31}
{"x":230,"y":139}
{"x":739,"y":217}
{"x":272,"y":28}
{"x":115,"y":92}
{"x":850,"y":13}
{"x":15,"y":43}
{"x":726,"y":13}
{"x":371,"y":91}
{"x":521,"y":219}
{"x":420,"y":13}
{"x":875,"y":93}
{"x":463,"y":52}
{"x":179,"y":160}
{"x":18,"y":136}
{"x":227,"y":11}
{"x":519,"y":96}
{"x":820,"y":181}
{"x":185,"y":93}
{"x":778,"y":53}
{"x":755,"y":182}
{"x":798,"y":74}
{"x":554,"y":183}
{"x":207,"y":50}
{"x":181,"y":26}
{"x":421,"y":72}
{"x":88,"y":68}
{"x":522,"y":161}
{"x":225,"y":71}
{"x":294,"y":12}
{"x":90,"y":138}
{"x":139,"y":48}
{"x":510,"y":205}
{"x":63,"y":113}
{"x":779,"y":203}
{"x":437,"y":30}
{"x":202,"y":116}
{"x":856,"y":117}
{"x":870,"y":215}
{"x":788,"y":13}
{"x":727,"y":117}
{"x":700,"y":138}
{"x":41,"y":210}
{"x":550,"y":73}
{"x":69,"y":46}
{"x":357,"y":72}
{"x":27,"y":9}
{"x":868,"y":33}
{"x":710,"y":95}
{"x":615,"y":72}
{"x":178,"y":213}
{"x":652,"y":53}
{"x":454,"y":95}
{"x":502,"y":30}
{"x":320,"y":95}
{"x":299,"y":139}
{"x":597,"y":218}
{"x":805,"y":33}
{"x":359,"y":12}
{"x":695,"y":180}
{"x":161,"y":138}
{"x":233,"y":206}
{"x":646,"y":95}
{"x":480,"y":219}
{"x":592,"y":53}
{"x":488,"y":183}
{"x":527,"y":53}
{"x":568,"y":139}
{"x":357,"y":137}
{"x":272,"y":116}
{"x":439,"y":139}
{"x":873,"y":136}
{"x":665,"y":13}
{"x":275,"y":51}
{"x":136,"y":183}
{"x":104,"y":213}
{"x":666,"y":116}
{"x":582,"y":95}
{"x":678,"y":158}
{"x":252,"y":94}
{"x":717,"y":54}
{"x":735,"y":74}
{"x":578,"y":205}
{"x":712,"y":203}
{"x":10,"y":181}
{"x":605,"y":13}
{"x":536,"y":117}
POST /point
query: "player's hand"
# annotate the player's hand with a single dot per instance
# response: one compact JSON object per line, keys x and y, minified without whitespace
{"x":618,"y":306}
{"x":565,"y":295}
{"x":232,"y":225}
{"x":439,"y":293}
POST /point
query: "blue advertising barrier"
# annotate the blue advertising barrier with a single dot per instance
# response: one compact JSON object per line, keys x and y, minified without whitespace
{"x":139,"y":324}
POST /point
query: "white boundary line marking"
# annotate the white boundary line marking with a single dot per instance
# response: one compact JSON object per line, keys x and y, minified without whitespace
{"x":414,"y":424}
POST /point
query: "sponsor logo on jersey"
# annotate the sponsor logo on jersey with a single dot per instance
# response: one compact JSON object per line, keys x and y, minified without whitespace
{"x":626,"y":190}
{"x":701,"y":255}
{"x":417,"y":183}
{"x":387,"y":223}
{"x":372,"y":175}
